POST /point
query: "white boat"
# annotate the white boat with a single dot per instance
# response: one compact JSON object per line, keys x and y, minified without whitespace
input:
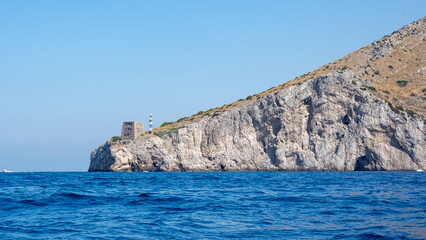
{"x":6,"y":170}
{"x":419,"y":170}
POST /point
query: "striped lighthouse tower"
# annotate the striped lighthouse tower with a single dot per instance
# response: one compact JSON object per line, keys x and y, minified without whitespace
{"x":150,"y":122}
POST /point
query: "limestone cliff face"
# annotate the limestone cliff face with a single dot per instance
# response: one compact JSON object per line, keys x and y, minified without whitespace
{"x":357,"y":113}
{"x":327,"y":123}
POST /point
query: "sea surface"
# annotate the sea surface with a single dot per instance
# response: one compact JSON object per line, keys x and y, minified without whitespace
{"x":253,"y":205}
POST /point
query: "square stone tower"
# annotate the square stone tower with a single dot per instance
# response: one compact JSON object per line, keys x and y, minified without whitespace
{"x":132,"y":130}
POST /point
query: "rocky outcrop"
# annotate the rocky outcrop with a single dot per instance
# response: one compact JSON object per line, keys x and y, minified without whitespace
{"x":357,"y":113}
{"x":324,"y":124}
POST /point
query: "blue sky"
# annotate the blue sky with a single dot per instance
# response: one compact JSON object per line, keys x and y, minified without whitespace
{"x":72,"y":71}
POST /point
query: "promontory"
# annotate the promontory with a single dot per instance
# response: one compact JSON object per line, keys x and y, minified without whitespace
{"x":364,"y":111}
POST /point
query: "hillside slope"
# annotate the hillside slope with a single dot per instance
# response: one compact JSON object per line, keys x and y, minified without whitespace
{"x":395,"y":66}
{"x":361,"y":112}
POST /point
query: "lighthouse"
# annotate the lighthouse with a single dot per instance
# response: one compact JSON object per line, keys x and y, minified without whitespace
{"x":150,"y":122}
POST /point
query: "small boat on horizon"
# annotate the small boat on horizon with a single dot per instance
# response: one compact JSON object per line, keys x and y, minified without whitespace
{"x":419,"y":170}
{"x":6,"y":170}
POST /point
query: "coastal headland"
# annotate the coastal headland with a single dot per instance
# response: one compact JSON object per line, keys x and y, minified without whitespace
{"x":364,"y":111}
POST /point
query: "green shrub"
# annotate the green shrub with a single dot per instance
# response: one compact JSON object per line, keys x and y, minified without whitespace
{"x":344,"y":68}
{"x":198,"y":113}
{"x":298,"y":84}
{"x":173,"y":130}
{"x":181,"y":119}
{"x":366,"y":72}
{"x":390,"y":66}
{"x":386,"y":91}
{"x":165,"y":124}
{"x":411,"y":112}
{"x":371,"y":88}
{"x":305,"y":74}
{"x":353,"y":82}
{"x":159,"y":134}
{"x":248,"y":97}
{"x":116,"y":138}
{"x":400,"y":108}
{"x":402,"y":83}
{"x":392,"y":108}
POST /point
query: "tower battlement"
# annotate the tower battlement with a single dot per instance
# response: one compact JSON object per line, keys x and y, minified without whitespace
{"x":131,"y":130}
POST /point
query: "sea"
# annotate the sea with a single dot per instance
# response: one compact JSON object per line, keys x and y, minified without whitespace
{"x":220,"y":205}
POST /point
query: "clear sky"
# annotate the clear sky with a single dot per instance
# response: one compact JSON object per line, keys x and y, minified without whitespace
{"x":72,"y":71}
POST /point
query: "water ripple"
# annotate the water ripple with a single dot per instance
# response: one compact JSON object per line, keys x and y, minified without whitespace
{"x":275,"y":205}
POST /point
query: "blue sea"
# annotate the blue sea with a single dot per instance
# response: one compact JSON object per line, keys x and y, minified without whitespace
{"x":253,"y":205}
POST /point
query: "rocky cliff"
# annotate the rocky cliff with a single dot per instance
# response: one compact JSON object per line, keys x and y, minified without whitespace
{"x":330,"y":119}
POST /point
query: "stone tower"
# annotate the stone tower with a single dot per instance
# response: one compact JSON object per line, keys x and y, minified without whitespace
{"x":132,"y":130}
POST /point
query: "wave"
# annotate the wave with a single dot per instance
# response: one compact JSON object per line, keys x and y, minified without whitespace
{"x":73,"y":195}
{"x":369,"y":236}
{"x":33,"y":202}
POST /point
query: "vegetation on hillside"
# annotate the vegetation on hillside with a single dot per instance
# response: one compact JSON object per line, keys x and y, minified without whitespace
{"x":396,"y":76}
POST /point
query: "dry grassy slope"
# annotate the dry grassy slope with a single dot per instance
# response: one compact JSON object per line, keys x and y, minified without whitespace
{"x":399,"y":57}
